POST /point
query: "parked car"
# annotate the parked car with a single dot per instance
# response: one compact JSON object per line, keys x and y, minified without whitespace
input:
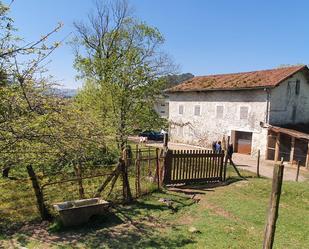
{"x":152,"y":135}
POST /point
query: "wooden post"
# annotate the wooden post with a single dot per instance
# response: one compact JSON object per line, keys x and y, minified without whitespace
{"x":138,"y":174}
{"x":258,"y":164}
{"x":292,"y":150}
{"x":158,"y":167}
{"x":297,"y":172}
{"x":226,"y":159}
{"x":115,"y":173}
{"x":149,"y":166}
{"x":167,"y":166}
{"x":136,"y":151}
{"x":277,"y":147}
{"x":45,"y":215}
{"x":165,"y":140}
{"x":307,"y":157}
{"x":273,"y":207}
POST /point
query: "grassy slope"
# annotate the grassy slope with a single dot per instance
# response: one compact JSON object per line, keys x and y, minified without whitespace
{"x":227,"y":217}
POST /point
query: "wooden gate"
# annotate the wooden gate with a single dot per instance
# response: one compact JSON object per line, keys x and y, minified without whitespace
{"x":189,"y":166}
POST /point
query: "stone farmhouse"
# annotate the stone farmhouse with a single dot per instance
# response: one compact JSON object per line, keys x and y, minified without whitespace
{"x":264,"y":110}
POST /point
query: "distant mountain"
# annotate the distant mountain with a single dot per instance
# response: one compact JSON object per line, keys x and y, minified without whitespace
{"x":173,"y":80}
{"x":65,"y":92}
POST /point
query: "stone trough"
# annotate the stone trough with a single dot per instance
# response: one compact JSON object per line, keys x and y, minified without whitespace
{"x":73,"y":213}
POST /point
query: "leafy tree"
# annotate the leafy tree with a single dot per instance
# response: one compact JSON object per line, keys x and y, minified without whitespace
{"x":39,"y":130}
{"x":121,"y":62}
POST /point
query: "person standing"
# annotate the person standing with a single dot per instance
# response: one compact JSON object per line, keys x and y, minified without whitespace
{"x":218,"y":147}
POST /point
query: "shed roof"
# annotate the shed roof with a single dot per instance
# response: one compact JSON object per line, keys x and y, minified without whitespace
{"x":291,"y":132}
{"x":239,"y":81}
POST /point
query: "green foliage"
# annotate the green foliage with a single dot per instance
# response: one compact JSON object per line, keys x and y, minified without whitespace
{"x":173,"y":80}
{"x":122,"y":67}
{"x":36,"y":126}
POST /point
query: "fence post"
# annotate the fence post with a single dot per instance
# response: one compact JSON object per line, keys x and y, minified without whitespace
{"x":258,"y":164}
{"x":167,"y":167}
{"x":165,"y":140}
{"x":297,"y":172}
{"x":158,"y":167}
{"x":273,"y":206}
{"x":138,"y":176}
{"x":149,"y":166}
{"x":226,"y":159}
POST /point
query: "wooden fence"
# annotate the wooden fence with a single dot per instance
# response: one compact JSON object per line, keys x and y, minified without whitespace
{"x":190,"y":166}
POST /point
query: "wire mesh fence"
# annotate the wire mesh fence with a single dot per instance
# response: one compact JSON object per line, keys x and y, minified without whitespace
{"x":18,"y":200}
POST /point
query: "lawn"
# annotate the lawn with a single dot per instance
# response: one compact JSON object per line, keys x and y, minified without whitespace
{"x":231,"y":216}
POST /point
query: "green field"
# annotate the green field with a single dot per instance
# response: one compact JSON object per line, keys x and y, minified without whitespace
{"x":231,"y":216}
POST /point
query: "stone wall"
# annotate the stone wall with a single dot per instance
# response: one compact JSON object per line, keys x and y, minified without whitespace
{"x":284,"y":99}
{"x":207,"y":127}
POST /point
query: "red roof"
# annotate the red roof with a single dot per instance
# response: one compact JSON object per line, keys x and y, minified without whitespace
{"x":238,"y":81}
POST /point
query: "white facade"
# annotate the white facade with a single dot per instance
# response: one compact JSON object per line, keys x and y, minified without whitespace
{"x":284,"y":101}
{"x":203,"y":117}
{"x":161,"y":106}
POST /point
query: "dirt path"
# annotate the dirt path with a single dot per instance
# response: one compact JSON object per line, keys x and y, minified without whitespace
{"x":249,"y":163}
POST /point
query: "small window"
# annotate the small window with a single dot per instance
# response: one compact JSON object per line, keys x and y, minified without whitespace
{"x":180,"y":110}
{"x":244,"y":112}
{"x":162,"y":112}
{"x":163,"y":105}
{"x":197,"y":110}
{"x":219,"y":111}
{"x":297,"y":87}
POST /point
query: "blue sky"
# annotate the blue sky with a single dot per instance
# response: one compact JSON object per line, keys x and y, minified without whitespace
{"x":202,"y":36}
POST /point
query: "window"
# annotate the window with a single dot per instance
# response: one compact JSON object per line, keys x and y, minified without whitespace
{"x":162,"y":104}
{"x":219,"y":111}
{"x":244,"y":112}
{"x":180,"y":109}
{"x":297,"y":87}
{"x":197,"y":110}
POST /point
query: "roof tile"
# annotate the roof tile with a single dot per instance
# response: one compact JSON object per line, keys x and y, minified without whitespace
{"x":238,"y":81}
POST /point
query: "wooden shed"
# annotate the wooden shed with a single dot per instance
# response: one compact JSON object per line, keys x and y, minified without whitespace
{"x":289,"y":144}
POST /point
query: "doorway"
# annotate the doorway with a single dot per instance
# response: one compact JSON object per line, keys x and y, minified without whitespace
{"x":243,"y":142}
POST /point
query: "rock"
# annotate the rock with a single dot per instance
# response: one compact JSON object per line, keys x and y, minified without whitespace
{"x":193,"y":230}
{"x":166,"y":201}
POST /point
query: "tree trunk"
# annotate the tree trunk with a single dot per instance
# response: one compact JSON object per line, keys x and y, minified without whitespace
{"x":127,"y":195}
{"x":5,"y":172}
{"x":78,"y":174}
{"x":45,"y":215}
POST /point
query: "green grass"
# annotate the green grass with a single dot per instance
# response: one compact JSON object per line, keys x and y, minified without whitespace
{"x":231,"y":216}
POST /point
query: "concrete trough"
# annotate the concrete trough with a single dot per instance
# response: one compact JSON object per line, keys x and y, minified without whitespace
{"x":73,"y":213}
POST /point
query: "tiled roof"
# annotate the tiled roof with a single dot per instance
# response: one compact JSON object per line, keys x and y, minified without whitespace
{"x":238,"y":81}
